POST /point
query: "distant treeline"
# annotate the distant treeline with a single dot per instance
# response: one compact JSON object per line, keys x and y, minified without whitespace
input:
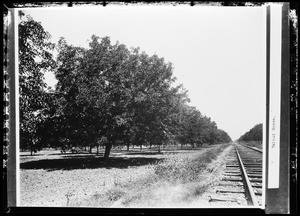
{"x":106,"y":95}
{"x":254,"y":134}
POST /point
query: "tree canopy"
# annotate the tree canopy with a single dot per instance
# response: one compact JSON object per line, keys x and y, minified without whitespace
{"x":35,"y":57}
{"x":106,"y":95}
{"x":254,"y":134}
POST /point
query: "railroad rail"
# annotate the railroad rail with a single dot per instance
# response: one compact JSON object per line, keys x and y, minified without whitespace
{"x":242,"y":178}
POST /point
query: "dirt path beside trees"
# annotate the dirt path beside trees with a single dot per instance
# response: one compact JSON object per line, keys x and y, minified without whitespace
{"x":178,"y":180}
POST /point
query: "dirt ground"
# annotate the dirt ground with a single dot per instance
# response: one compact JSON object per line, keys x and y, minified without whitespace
{"x":55,"y":188}
{"x":51,"y":179}
{"x":55,"y":180}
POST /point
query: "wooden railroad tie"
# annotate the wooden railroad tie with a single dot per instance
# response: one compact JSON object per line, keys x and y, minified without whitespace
{"x":254,"y":175}
{"x":253,"y":161}
{"x":256,"y":184}
{"x":232,"y":174}
{"x":257,"y":191}
{"x":255,"y":180}
{"x":254,"y":170}
{"x":253,"y":164}
{"x":232,"y":179}
{"x":230,"y":190}
{"x":223,"y":199}
{"x":228,"y":183}
{"x":232,"y":171}
{"x":232,"y":165}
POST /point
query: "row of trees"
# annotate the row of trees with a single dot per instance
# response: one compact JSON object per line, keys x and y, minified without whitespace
{"x":106,"y":95}
{"x":254,"y":134}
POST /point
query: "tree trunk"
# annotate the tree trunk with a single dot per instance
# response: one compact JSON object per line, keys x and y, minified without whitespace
{"x":150,"y":146}
{"x":90,"y":149}
{"x":128,"y":147}
{"x":97,"y":149}
{"x":193,"y":145}
{"x":84,"y":148}
{"x":158,"y":148}
{"x":181,"y":146}
{"x":107,"y":150}
{"x":141,"y":147}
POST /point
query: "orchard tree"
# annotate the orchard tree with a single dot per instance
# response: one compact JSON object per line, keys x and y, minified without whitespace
{"x":110,"y":92}
{"x":93,"y":83}
{"x":223,"y":137}
{"x":194,"y":128}
{"x":35,"y":58}
{"x":151,"y":100}
{"x":110,"y":95}
{"x":254,"y":134}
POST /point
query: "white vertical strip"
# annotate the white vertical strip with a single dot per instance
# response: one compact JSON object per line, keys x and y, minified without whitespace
{"x":264,"y":76}
{"x":275,"y":91}
{"x":17,"y":125}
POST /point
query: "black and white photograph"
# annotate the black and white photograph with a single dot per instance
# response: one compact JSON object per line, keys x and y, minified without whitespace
{"x":148,"y":105}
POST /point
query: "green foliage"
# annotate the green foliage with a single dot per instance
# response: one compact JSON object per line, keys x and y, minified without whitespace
{"x":254,"y":134}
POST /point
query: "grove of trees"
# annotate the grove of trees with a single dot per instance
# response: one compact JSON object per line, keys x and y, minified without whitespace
{"x":254,"y":134}
{"x":107,"y":95}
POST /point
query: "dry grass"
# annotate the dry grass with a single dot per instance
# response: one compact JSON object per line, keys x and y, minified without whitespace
{"x":177,"y":181}
{"x":256,"y":144}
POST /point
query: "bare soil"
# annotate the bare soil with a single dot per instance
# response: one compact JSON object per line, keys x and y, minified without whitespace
{"x":54,"y":180}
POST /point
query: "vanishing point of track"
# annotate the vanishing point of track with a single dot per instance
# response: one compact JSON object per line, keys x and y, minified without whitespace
{"x":242,"y":179}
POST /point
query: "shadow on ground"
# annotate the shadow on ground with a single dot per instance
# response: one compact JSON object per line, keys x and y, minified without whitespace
{"x":87,"y":162}
{"x":29,"y":155}
{"x":154,"y":151}
{"x":144,"y":153}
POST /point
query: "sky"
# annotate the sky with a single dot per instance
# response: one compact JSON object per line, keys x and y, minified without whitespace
{"x":218,"y":53}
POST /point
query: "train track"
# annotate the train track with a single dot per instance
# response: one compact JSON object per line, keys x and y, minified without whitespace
{"x":242,"y":178}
